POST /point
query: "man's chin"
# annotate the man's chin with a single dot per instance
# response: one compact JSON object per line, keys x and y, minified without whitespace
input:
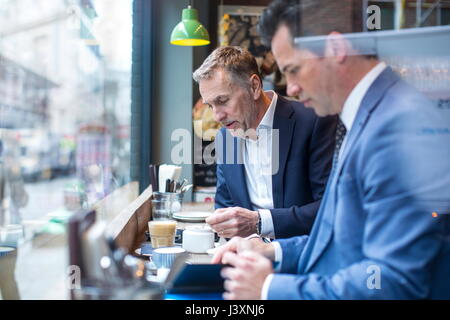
{"x":238,"y":132}
{"x":320,"y":112}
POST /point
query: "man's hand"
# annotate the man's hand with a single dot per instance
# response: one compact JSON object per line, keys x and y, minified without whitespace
{"x":235,"y":221}
{"x":239,"y":245}
{"x":246,"y":279}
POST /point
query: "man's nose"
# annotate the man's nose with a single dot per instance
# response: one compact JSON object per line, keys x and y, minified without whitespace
{"x":293,"y":90}
{"x":219,"y":116}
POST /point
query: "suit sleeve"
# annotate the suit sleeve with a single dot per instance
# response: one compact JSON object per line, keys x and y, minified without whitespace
{"x":297,"y":220}
{"x":223,"y":198}
{"x":401,"y":240}
{"x":292,"y":249}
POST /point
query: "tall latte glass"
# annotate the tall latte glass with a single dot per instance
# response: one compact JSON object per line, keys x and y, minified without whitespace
{"x":162,"y":233}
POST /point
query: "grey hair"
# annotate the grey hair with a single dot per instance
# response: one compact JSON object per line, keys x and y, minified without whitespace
{"x":238,"y":62}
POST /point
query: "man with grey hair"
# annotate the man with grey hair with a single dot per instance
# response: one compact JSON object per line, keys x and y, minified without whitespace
{"x":272,"y":174}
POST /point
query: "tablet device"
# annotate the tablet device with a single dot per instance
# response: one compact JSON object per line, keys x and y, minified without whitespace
{"x":194,"y":278}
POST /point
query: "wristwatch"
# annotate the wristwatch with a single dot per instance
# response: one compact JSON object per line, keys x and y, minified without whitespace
{"x":258,"y":225}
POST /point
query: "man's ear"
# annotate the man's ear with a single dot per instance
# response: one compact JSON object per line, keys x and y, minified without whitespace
{"x":337,"y":47}
{"x":255,"y":83}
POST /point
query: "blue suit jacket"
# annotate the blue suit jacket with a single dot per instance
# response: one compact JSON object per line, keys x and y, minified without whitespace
{"x":306,"y":145}
{"x":375,"y":235}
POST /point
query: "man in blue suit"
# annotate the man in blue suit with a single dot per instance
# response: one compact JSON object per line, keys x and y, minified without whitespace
{"x":383,"y":228}
{"x":274,"y":155}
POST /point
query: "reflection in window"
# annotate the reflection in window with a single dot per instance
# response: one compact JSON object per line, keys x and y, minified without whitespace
{"x":65,"y":110}
{"x":65,"y":88}
{"x":65,"y":114}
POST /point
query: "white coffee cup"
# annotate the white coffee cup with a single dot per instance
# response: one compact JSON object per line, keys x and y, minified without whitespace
{"x":198,"y":240}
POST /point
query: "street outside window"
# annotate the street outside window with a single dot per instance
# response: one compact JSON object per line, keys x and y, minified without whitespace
{"x":65,"y":110}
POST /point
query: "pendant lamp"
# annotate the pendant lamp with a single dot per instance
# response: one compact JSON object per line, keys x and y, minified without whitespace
{"x":189,"y":32}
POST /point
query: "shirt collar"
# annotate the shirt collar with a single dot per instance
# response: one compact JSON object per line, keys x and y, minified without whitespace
{"x":267,"y":120}
{"x":353,"y":101}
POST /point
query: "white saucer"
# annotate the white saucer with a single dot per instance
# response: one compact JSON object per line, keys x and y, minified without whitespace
{"x":191,"y":216}
{"x":138,"y":251}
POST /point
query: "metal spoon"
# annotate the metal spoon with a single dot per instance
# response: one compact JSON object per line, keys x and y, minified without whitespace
{"x":186,"y":188}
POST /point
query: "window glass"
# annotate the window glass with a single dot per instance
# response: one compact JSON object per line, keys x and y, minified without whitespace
{"x":65,"y":113}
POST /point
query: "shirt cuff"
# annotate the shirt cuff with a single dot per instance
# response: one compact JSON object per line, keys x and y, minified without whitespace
{"x":266,"y":286}
{"x":267,"y":229}
{"x":278,"y":256}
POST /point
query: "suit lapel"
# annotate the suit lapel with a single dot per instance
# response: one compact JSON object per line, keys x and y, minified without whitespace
{"x":285,"y":125}
{"x":238,"y":187}
{"x":323,"y":230}
{"x":386,"y":79}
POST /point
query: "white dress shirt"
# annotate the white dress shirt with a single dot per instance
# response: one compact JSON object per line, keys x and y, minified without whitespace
{"x":257,"y":159}
{"x":351,"y":105}
{"x":348,"y":115}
